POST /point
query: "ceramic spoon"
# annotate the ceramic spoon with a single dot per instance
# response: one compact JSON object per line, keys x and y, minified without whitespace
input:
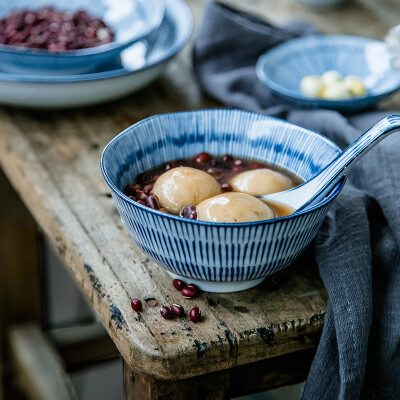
{"x":310,"y":193}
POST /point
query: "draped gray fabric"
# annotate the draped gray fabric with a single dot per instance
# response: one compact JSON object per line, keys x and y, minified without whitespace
{"x":357,"y":248}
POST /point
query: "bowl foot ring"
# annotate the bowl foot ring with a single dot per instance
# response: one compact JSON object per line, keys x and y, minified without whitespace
{"x":219,"y":287}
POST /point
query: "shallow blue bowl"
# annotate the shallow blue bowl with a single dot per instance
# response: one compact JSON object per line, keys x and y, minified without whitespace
{"x":131,"y":21}
{"x":282,"y":68}
{"x":219,"y":257}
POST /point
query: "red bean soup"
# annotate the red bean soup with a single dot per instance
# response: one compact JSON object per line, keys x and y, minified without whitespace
{"x":54,"y":30}
{"x":187,"y":187}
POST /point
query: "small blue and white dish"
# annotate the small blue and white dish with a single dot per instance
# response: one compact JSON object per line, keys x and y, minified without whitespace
{"x":138,"y":66}
{"x":131,"y":20}
{"x":283,"y":67}
{"x":218,"y":257}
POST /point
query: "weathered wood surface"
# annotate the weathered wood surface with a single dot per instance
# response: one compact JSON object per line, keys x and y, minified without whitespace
{"x":52,"y":159}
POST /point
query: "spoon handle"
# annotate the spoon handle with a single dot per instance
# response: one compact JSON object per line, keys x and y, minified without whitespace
{"x":315,"y":190}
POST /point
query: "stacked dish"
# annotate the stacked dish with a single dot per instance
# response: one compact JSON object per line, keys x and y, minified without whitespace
{"x":147,"y":35}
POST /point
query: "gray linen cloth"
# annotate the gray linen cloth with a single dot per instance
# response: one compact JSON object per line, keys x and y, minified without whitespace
{"x":357,"y":248}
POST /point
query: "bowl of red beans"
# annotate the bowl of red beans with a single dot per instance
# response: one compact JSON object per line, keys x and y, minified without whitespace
{"x":60,"y":37}
{"x":186,"y":186}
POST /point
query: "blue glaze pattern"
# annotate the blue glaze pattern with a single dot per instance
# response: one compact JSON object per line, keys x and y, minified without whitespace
{"x":282,"y":68}
{"x":217,"y":252}
{"x":131,"y":21}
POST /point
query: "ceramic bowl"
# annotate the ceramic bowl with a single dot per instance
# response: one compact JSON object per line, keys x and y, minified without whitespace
{"x":283,"y":67}
{"x":131,"y":21}
{"x":138,"y":67}
{"x":218,"y":257}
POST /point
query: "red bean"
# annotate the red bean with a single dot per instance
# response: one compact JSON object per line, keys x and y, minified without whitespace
{"x":238,"y":162}
{"x":142,"y":202}
{"x":226,"y":187}
{"x":178,"y":310}
{"x":188,"y":292}
{"x":153,"y":178}
{"x":178,"y":284}
{"x":255,"y":165}
{"x":148,"y":188}
{"x":181,"y":163}
{"x":215,"y":172}
{"x":188,"y":212}
{"x":152,"y":202}
{"x":194,"y":314}
{"x":193,"y":286}
{"x":227,"y":157}
{"x":130,"y":190}
{"x":136,"y":305}
{"x":169,"y":165}
{"x":165,"y":312}
{"x":133,"y":198}
{"x":141,"y":195}
{"x":202,"y":158}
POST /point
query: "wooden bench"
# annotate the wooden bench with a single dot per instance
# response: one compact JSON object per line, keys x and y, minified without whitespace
{"x":249,"y":341}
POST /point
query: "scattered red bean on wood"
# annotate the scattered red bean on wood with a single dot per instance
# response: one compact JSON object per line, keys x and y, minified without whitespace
{"x":194,"y":314}
{"x":193,"y":286}
{"x":178,"y":310}
{"x":136,"y":305}
{"x":165,"y":312}
{"x":178,"y":284}
{"x":188,"y":292}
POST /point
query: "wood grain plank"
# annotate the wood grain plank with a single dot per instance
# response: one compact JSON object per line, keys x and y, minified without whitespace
{"x":52,"y":159}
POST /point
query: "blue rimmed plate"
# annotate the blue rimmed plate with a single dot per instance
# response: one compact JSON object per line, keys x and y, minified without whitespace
{"x":282,"y":68}
{"x":131,"y":20}
{"x":139,"y":65}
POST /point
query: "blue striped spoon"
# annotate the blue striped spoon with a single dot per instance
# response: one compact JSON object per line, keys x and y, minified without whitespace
{"x":313,"y":191}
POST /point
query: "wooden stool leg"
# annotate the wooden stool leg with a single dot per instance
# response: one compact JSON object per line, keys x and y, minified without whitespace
{"x":214,"y":386}
{"x":19,"y":267}
{"x":39,"y":368}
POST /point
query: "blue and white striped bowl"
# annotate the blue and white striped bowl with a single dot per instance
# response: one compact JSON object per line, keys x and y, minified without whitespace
{"x":131,"y":21}
{"x":219,"y":257}
{"x":283,"y":67}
